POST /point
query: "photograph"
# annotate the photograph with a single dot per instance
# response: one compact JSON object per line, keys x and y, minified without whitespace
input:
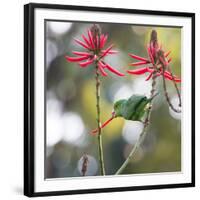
{"x":113,"y":99}
{"x":108,"y":99}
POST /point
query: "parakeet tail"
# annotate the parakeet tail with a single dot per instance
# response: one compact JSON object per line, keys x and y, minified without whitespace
{"x":95,"y":131}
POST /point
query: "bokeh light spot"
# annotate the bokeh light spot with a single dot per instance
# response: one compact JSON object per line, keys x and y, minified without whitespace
{"x":52,"y":52}
{"x":54,"y":122}
{"x":123,"y":92}
{"x":73,"y":127}
{"x":92,"y":166}
{"x":175,"y":102}
{"x":59,"y":27}
{"x":140,"y":86}
{"x":131,"y":131}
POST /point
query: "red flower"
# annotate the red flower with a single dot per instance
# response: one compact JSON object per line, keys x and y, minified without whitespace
{"x":157,"y":59}
{"x":94,"y":43}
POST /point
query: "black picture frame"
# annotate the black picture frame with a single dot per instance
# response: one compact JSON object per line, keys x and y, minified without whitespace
{"x":29,"y":90}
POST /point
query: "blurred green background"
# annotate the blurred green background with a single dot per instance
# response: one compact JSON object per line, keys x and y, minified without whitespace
{"x":71,"y":104}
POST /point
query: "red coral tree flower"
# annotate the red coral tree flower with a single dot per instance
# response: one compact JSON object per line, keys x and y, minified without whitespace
{"x":94,"y":43}
{"x":157,"y":58}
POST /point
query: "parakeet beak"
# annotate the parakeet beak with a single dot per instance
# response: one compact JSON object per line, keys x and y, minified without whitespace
{"x":113,"y":113}
{"x":94,"y":132}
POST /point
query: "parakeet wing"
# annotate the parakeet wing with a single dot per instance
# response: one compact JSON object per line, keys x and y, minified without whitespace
{"x":131,"y":104}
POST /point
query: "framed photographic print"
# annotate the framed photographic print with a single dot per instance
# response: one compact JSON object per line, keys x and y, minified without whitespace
{"x":108,"y":99}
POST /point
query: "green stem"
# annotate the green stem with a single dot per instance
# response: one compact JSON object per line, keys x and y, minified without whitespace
{"x":143,"y":134}
{"x":175,"y":85}
{"x":100,"y":145}
{"x":166,"y":93}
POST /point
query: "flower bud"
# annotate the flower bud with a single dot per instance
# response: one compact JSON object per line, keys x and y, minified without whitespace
{"x":95,"y":30}
{"x":154,"y":37}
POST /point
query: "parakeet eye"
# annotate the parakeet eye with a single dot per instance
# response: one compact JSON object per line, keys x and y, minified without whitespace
{"x":116,"y":105}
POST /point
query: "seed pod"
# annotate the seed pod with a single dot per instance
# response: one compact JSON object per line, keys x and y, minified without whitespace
{"x":95,"y":30}
{"x":84,"y":164}
{"x":154,"y":37}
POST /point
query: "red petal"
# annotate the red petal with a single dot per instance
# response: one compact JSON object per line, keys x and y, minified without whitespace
{"x":86,"y":63}
{"x":169,"y":60}
{"x":138,"y":71}
{"x":178,"y":80}
{"x":148,"y":77}
{"x":150,"y":70}
{"x":167,"y":73}
{"x":76,"y":59}
{"x":107,"y":50}
{"x":168,"y":76}
{"x":86,"y":40}
{"x":82,"y":44}
{"x":102,"y":64}
{"x":78,"y":53}
{"x":138,"y":63}
{"x":167,"y":53}
{"x":91,"y":39}
{"x":110,"y":52}
{"x":103,"y":40}
{"x":103,"y":73}
{"x":114,"y":70}
{"x":138,"y":57}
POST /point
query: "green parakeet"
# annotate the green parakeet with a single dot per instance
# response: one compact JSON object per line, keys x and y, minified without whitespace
{"x":132,"y":108}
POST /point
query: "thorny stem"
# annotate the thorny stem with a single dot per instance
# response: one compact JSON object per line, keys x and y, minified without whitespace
{"x":143,"y":134}
{"x":100,"y":145}
{"x":95,"y":29}
{"x":166,"y":93}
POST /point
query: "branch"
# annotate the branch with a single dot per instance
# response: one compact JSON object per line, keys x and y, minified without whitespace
{"x":100,"y":145}
{"x":166,"y":93}
{"x":143,"y":134}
